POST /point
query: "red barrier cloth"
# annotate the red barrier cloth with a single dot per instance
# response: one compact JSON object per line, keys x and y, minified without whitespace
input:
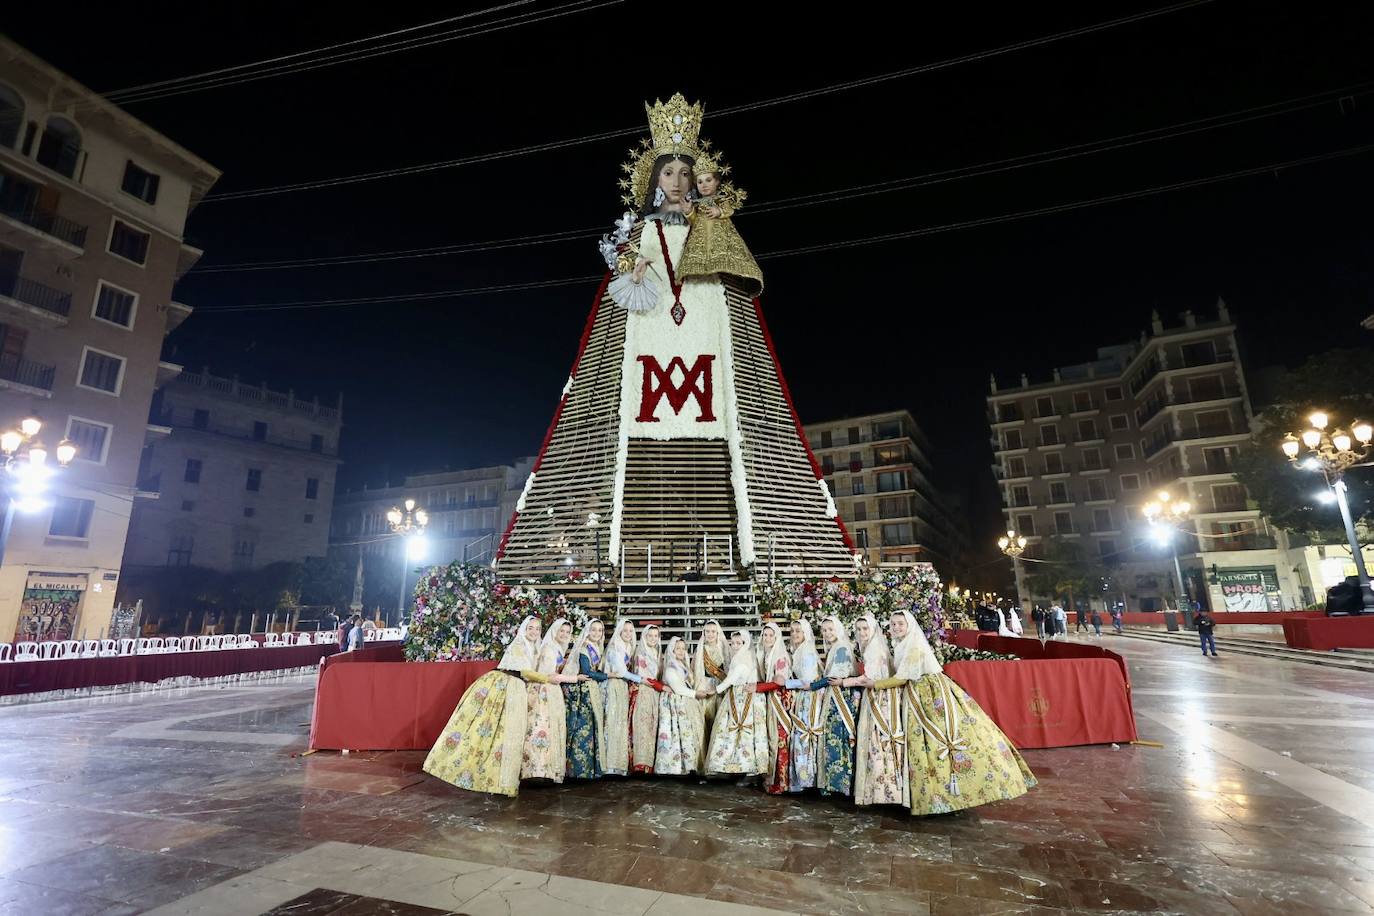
{"x":388,"y":706}
{"x":1051,"y":702}
{"x":1326,"y":633}
{"x":375,"y":652}
{"x":967,"y":639}
{"x":73,"y":673}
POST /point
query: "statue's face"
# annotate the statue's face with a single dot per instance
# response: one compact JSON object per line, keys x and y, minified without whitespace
{"x":675,"y":178}
{"x":828,"y":631}
{"x":770,"y":637}
{"x":707,"y":184}
{"x":898,"y":625}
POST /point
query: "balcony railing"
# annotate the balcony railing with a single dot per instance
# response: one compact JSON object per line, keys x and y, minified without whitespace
{"x":31,"y":292}
{"x":1151,"y":370}
{"x":1243,"y":542}
{"x":16,"y":369}
{"x":44,"y":221}
{"x":1220,"y":356}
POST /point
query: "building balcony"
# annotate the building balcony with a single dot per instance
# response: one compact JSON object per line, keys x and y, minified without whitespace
{"x":1244,"y":542}
{"x":1216,"y":431}
{"x":21,"y":218}
{"x":35,"y":298}
{"x":26,"y":375}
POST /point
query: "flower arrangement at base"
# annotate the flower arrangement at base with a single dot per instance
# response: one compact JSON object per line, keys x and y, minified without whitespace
{"x":914,"y":588}
{"x":463,"y":612}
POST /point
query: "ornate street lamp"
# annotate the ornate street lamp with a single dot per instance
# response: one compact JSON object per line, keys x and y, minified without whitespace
{"x":408,"y":525}
{"x":1334,"y":453}
{"x":27,"y":472}
{"x":1013,"y":545}
{"x":1165,"y":514}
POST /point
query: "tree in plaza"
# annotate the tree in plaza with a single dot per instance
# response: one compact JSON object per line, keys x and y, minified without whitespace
{"x":1340,"y":382}
{"x":1063,"y":570}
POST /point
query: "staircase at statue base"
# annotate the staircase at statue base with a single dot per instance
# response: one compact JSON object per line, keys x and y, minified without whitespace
{"x":680,"y":608}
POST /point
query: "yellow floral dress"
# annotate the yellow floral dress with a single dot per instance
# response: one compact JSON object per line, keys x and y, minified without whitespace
{"x":481,"y":746}
{"x":958,"y":758}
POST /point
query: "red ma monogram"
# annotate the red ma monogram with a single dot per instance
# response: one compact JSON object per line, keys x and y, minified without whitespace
{"x":657,"y":383}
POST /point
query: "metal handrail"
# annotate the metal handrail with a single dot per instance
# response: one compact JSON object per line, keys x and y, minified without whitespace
{"x":31,"y":292}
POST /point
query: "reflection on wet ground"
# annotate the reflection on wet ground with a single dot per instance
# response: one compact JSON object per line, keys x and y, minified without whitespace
{"x":1261,"y":801}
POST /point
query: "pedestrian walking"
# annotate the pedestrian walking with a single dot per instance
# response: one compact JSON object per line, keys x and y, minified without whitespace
{"x":1116,"y":620}
{"x":1061,"y":620}
{"x":1097,"y":624}
{"x":1082,"y":622}
{"x":1205,"y":624}
{"x":1038,"y":615}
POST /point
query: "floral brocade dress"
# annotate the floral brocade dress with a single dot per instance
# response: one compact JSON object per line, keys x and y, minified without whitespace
{"x":779,"y":705}
{"x":807,"y":709}
{"x":681,"y":728}
{"x":958,"y":757}
{"x":481,"y":746}
{"x":585,"y":702}
{"x":545,"y":753}
{"x":643,"y":718}
{"x":839,"y":728}
{"x":880,"y":760}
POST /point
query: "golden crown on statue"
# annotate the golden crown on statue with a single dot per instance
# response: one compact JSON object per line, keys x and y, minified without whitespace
{"x":674,"y":128}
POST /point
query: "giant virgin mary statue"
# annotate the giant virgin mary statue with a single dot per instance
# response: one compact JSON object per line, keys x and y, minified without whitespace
{"x":675,"y":427}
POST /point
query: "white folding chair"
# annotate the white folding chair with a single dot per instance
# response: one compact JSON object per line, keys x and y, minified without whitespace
{"x":108,"y":648}
{"x":126,"y":646}
{"x":5,"y":651}
{"x":51,"y":650}
{"x":246,"y":641}
{"x":26,"y":652}
{"x":90,"y":648}
{"x":150,"y":645}
{"x":71,"y":648}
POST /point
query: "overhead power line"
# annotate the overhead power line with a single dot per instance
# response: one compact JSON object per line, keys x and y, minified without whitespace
{"x":826,"y":246}
{"x":134,"y":95}
{"x":737,"y":109}
{"x":1122,"y":141}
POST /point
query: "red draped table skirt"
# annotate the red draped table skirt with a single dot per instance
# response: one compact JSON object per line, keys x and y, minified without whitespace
{"x":74,"y":673}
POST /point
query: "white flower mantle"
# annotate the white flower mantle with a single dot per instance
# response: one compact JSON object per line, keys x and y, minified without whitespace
{"x":705,"y":331}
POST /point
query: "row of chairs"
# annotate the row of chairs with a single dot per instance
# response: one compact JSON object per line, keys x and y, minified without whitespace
{"x":154,"y":645}
{"x":388,"y":634}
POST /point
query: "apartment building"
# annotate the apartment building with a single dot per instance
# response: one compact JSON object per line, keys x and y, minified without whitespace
{"x":879,"y":472}
{"x":93,"y":206}
{"x":1078,"y":456}
{"x":244,"y":476}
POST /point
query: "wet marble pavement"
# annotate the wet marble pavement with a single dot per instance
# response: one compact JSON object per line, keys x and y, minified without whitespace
{"x":197,"y":801}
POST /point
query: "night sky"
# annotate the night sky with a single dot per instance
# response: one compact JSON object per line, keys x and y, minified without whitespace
{"x":916,"y":322}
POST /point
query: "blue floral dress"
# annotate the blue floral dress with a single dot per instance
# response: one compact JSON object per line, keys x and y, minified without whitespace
{"x":584,"y":702}
{"x":835,"y":758}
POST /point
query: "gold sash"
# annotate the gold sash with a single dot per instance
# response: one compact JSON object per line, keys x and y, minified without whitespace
{"x":948,"y":738}
{"x":846,"y":715}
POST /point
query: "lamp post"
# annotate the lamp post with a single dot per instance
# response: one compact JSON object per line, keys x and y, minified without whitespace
{"x":409,"y":525}
{"x":1170,"y":513}
{"x":1013,"y":545}
{"x":27,"y":471}
{"x":1333,"y":453}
